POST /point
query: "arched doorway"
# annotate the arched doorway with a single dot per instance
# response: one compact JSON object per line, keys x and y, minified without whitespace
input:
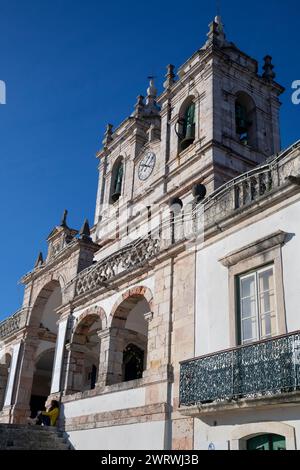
{"x":127,"y":358}
{"x":266,"y":442}
{"x":4,"y":374}
{"x":41,"y":383}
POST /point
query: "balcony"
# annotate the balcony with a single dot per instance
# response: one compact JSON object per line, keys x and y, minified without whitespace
{"x":257,"y":373}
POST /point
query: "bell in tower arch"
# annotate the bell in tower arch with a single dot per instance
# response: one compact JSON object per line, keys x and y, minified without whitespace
{"x":187,"y":136}
{"x":118,"y":180}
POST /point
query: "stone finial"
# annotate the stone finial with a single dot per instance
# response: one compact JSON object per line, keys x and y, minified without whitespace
{"x":139,"y":106}
{"x":151,"y":90}
{"x":216,"y":34}
{"x":268,"y":67}
{"x":64,"y":219}
{"x":85,"y":233}
{"x":151,"y":107}
{"x":151,"y":93}
{"x":108,"y":135}
{"x":170,"y":76}
{"x":39,"y":260}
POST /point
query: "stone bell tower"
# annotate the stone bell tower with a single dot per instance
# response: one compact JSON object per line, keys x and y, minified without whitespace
{"x":220,"y":118}
{"x":245,"y":103}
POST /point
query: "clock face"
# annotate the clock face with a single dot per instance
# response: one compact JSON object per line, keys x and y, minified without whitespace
{"x":146,"y":165}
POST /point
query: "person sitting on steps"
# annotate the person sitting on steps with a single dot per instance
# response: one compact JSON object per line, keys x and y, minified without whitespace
{"x":47,"y":418}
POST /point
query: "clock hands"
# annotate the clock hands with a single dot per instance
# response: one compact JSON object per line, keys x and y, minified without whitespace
{"x":144,"y":165}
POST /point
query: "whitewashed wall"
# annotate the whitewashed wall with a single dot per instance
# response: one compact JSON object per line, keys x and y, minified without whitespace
{"x":140,"y":436}
{"x":112,"y":401}
{"x":221,"y":429}
{"x":212,"y":319}
{"x":212,"y":302}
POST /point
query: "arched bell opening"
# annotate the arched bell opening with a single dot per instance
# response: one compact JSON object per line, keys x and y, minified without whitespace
{"x":245,"y":119}
{"x":186,"y":124}
{"x":117,"y":177}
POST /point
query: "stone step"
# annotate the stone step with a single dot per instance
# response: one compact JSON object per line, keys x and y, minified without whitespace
{"x":26,"y":437}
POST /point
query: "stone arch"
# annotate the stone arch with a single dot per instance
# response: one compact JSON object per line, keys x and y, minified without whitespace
{"x":41,"y":300}
{"x":127,"y":300}
{"x":243,"y":432}
{"x":95,"y":312}
{"x":42,"y":353}
{"x":84,"y":350}
{"x":5,"y":363}
{"x":129,"y":321}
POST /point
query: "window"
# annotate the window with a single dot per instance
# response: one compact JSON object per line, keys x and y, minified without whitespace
{"x":255,"y":280}
{"x":257,"y":308}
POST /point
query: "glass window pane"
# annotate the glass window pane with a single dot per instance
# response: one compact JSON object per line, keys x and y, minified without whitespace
{"x":268,"y":321}
{"x":268,"y":324}
{"x":267,"y":302}
{"x":248,"y":286}
{"x":266,"y":280}
{"x":249,"y":330}
{"x":248,"y":307}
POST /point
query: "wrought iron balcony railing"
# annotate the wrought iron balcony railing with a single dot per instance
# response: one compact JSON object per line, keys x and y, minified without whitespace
{"x":266,"y":368}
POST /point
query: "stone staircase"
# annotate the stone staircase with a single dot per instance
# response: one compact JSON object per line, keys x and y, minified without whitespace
{"x":25,"y":437}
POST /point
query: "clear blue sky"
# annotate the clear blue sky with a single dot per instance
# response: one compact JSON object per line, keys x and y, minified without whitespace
{"x":70,"y":67}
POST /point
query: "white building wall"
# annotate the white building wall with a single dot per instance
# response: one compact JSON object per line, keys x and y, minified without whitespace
{"x":139,"y":436}
{"x":212,"y":302}
{"x":112,"y":401}
{"x":212,"y":322}
{"x":222,"y":429}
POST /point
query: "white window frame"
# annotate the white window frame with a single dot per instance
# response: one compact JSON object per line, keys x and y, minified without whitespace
{"x":258,"y":314}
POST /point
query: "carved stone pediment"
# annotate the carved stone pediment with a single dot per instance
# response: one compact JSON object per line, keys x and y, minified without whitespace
{"x":59,"y":238}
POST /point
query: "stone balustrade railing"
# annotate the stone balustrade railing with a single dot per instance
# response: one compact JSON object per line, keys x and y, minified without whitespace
{"x":13,"y":323}
{"x":130,"y":257}
{"x":252,"y":186}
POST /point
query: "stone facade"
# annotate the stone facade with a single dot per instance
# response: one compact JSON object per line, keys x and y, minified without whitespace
{"x":119,"y":304}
